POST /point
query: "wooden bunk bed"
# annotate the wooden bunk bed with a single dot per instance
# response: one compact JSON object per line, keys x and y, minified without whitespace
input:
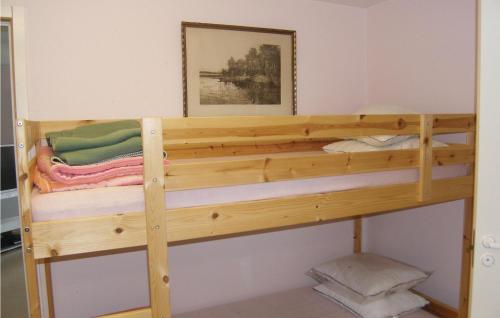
{"x":228,"y":151}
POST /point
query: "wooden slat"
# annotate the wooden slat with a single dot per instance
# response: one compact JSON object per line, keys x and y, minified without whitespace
{"x":467,"y":245}
{"x":275,"y":127}
{"x":132,"y":313}
{"x":425,"y":162}
{"x":358,"y":235}
{"x":32,"y":133}
{"x":24,"y":197}
{"x":49,"y":126}
{"x":196,"y":132}
{"x":156,"y":227}
{"x":192,"y":174}
{"x":453,"y":123}
{"x":244,"y":150}
{"x":438,"y":308}
{"x":82,"y":235}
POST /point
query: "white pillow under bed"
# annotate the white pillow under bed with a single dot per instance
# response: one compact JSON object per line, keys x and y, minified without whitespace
{"x":394,"y":305}
{"x":358,"y":146}
{"x":383,"y":140}
{"x":366,"y":277}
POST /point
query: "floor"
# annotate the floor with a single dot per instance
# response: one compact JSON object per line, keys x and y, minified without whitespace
{"x":13,"y":289}
{"x":295,"y":303}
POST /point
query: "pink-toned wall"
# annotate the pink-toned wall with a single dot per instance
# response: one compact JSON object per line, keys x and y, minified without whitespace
{"x":122,"y":58}
{"x":118,"y":58}
{"x":421,"y":55}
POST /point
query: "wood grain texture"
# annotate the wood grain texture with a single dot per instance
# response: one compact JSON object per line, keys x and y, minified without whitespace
{"x":49,"y":289}
{"x":24,"y":188}
{"x":219,"y":150}
{"x":156,"y":227}
{"x":425,"y":162}
{"x":358,"y":235}
{"x":216,"y":172}
{"x":132,"y":313}
{"x":467,"y":244}
{"x":91,"y":234}
{"x":198,"y":132}
{"x":192,"y":132}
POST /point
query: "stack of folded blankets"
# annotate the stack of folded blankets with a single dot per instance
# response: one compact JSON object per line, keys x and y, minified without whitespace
{"x":92,"y":156}
{"x":369,"y":285}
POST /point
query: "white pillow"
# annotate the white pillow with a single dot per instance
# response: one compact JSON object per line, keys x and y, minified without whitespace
{"x":366,"y":277}
{"x":358,"y":146}
{"x":394,"y":305}
{"x":383,"y":140}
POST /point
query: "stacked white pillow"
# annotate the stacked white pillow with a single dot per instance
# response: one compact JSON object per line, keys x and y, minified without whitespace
{"x":370,"y":285}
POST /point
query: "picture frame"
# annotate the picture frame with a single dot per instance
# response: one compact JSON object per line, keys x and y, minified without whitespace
{"x":230,"y":70}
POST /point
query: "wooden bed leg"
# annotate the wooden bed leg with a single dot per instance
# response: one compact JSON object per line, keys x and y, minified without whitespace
{"x":48,"y":287}
{"x":425,"y":164}
{"x":154,"y":192}
{"x":358,"y":235}
{"x":24,"y":189}
{"x":467,"y":247}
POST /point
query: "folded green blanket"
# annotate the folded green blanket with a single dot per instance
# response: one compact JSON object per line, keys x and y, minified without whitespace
{"x":129,"y":147}
{"x":93,"y":136}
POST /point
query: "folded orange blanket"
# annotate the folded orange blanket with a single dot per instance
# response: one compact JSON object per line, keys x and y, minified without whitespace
{"x":51,"y":177}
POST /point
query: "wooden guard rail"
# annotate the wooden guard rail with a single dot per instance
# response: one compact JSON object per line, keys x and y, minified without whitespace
{"x":269,"y":146}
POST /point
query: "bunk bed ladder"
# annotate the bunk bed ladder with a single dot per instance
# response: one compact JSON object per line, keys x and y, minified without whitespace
{"x":156,"y":231}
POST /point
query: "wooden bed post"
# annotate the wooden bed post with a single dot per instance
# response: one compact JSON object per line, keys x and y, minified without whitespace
{"x":24,"y":140}
{"x":24,"y":188}
{"x":467,"y":246}
{"x":358,"y":235}
{"x":154,"y":192}
{"x":425,"y":164}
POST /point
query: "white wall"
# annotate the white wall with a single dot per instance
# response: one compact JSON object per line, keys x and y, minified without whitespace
{"x":421,"y":55}
{"x":122,"y":58}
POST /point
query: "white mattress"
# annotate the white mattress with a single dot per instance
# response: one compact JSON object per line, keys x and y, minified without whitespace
{"x":295,"y":303}
{"x":106,"y":201}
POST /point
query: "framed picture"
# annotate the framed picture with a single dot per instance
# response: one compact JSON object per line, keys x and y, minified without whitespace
{"x":238,"y":71}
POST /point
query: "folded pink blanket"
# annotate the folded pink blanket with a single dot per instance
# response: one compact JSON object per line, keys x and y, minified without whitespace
{"x":45,"y":184}
{"x":88,"y":174}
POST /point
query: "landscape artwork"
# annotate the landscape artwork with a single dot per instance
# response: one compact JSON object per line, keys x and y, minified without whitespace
{"x":238,"y":71}
{"x":253,"y":79}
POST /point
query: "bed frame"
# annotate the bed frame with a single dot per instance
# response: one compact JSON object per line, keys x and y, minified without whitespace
{"x":240,"y":151}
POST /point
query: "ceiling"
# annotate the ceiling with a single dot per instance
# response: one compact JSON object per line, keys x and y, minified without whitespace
{"x":355,"y":3}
